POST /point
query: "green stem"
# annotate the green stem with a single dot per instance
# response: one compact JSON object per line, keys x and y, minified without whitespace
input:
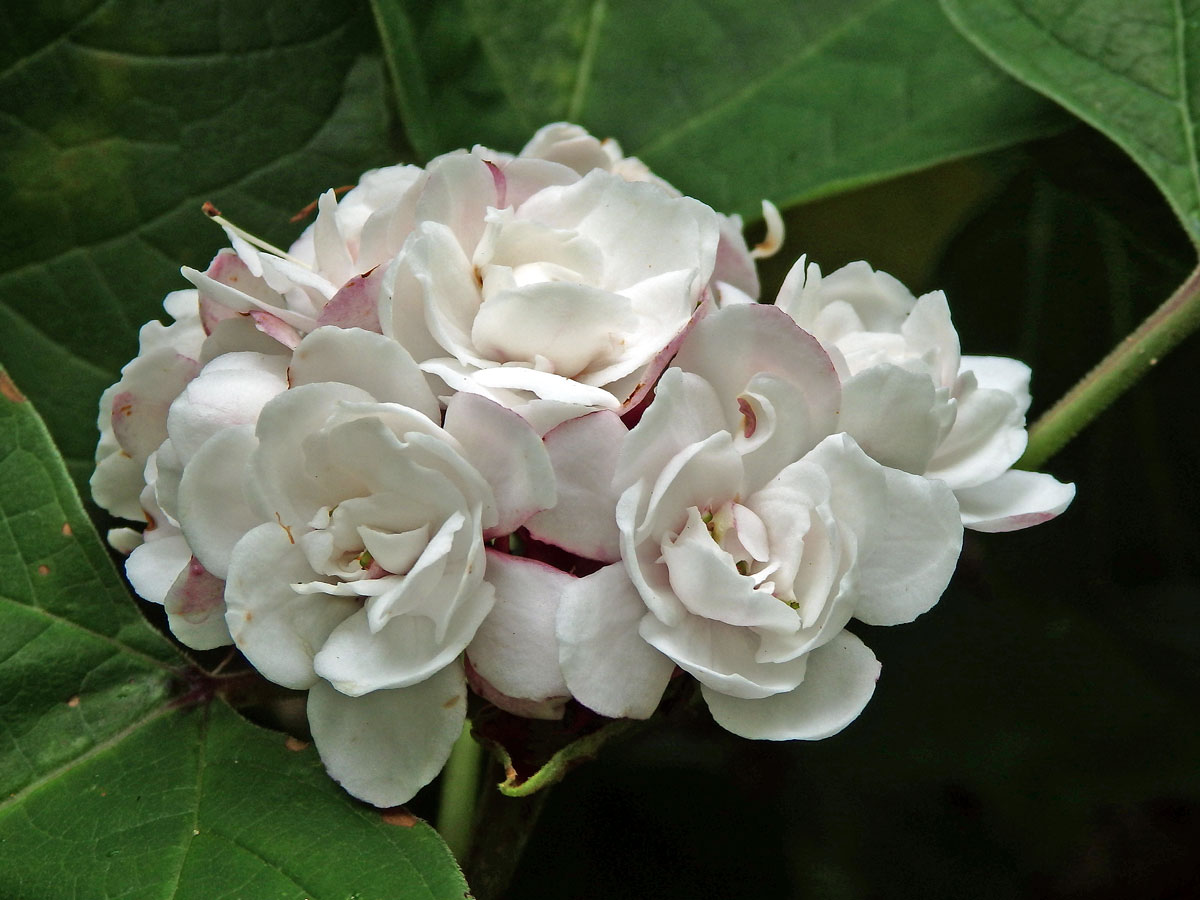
{"x":460,"y":789}
{"x":1178,"y":317}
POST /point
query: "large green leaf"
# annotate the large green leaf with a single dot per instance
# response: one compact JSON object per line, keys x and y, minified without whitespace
{"x":1130,"y":69}
{"x":784,"y":100}
{"x":117,"y":121}
{"x":121,"y":774}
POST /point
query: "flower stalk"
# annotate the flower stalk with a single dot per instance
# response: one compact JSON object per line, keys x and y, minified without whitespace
{"x":1140,"y":351}
{"x":460,"y":790}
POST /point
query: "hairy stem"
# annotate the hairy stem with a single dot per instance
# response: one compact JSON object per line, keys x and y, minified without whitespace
{"x":502,"y":827}
{"x":1178,"y":317}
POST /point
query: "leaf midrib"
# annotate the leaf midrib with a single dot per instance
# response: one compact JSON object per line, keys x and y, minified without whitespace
{"x":755,"y":85}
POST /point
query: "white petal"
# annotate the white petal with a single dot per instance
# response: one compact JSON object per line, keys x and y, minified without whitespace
{"x":576,"y":327}
{"x":583,"y":453}
{"x":642,"y":231}
{"x":1000,"y":373}
{"x":723,"y":657}
{"x":153,"y":566}
{"x":406,"y":651}
{"x":515,"y":648}
{"x":1014,"y":500}
{"x":607,"y":665}
{"x":988,"y":436}
{"x":278,"y":629}
{"x":838,"y":683}
{"x":230,"y":391}
{"x":895,"y":415}
{"x":706,"y":579}
{"x":508,"y":453}
{"x":911,"y":554}
{"x":116,"y":484}
{"x":378,"y":365}
{"x":386,"y":746}
{"x":214,"y":510}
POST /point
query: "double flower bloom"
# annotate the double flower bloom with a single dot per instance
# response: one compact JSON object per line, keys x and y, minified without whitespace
{"x":331,"y":447}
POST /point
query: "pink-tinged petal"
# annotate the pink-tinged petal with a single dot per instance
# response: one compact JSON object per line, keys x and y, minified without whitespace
{"x":912,"y":552}
{"x":405,"y":652}
{"x":276,"y":628}
{"x":153,"y":566}
{"x":732,"y":346}
{"x":584,"y":454}
{"x":1014,"y":500}
{"x":607,"y":665}
{"x":735,"y":265}
{"x":142,"y":397}
{"x":239,"y":301}
{"x":546,"y":710}
{"x":356,"y":304}
{"x":837,"y":685}
{"x":213,"y":504}
{"x":196,"y":608}
{"x":639,"y":393}
{"x":515,"y":649}
{"x":386,"y":746}
{"x":525,"y":177}
{"x":895,"y":415}
{"x":275,"y":328}
{"x":508,"y":453}
{"x":239,"y":334}
{"x":230,"y":270}
{"x":378,"y":365}
{"x":722,"y":657}
{"x":457,"y":195}
{"x":988,"y":436}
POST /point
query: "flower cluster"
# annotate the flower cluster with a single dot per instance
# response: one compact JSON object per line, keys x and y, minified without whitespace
{"x":521,"y":425}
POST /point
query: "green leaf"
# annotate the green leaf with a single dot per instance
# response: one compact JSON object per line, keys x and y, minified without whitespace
{"x":784,"y":100}
{"x":1132,"y":70}
{"x":116,"y":785}
{"x":117,"y":121}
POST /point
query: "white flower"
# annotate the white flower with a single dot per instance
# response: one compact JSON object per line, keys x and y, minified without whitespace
{"x":181,"y":563}
{"x":354,"y":558}
{"x":524,"y":281}
{"x":912,"y":402}
{"x":734,"y":278}
{"x":749,"y":535}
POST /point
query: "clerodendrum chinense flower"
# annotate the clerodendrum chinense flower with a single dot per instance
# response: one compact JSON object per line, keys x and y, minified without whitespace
{"x":518,"y":423}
